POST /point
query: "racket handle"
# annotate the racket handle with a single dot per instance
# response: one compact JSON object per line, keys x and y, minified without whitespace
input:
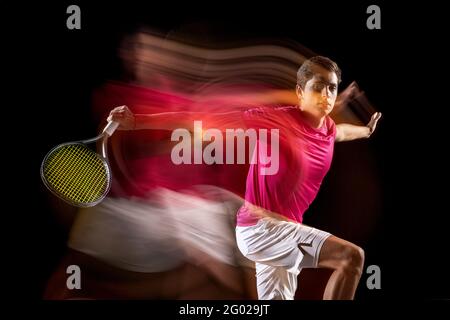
{"x":110,"y":128}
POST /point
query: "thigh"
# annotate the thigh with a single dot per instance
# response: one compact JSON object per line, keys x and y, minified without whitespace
{"x":275,"y":283}
{"x":270,"y":242}
{"x":310,"y":244}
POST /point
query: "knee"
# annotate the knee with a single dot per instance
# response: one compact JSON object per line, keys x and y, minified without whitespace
{"x":353,"y":259}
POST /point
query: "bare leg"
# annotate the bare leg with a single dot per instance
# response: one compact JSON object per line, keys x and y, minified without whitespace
{"x":347,"y":261}
{"x":230,"y":278}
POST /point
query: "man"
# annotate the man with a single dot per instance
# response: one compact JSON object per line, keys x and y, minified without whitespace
{"x":281,"y":245}
{"x":269,"y":225}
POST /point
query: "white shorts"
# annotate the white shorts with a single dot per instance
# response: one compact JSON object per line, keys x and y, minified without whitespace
{"x":280,"y":250}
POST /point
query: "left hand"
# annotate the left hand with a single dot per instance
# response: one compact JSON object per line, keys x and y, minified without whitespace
{"x":373,"y":122}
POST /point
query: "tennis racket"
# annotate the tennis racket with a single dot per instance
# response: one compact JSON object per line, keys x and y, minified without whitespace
{"x":77,"y":174}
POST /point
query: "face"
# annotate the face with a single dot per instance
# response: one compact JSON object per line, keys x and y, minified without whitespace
{"x":319,"y":95}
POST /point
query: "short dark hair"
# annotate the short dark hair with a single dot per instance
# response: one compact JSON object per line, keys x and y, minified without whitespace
{"x":306,"y":71}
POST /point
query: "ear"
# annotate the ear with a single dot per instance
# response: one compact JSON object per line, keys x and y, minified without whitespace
{"x":299,"y":92}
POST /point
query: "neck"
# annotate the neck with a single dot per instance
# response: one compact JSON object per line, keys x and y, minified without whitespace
{"x":315,"y":121}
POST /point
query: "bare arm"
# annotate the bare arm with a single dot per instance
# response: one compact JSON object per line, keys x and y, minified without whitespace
{"x":348,"y":132}
{"x":164,"y":121}
{"x":161,"y":121}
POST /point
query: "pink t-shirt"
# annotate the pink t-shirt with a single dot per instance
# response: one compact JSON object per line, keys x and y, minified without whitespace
{"x":305,"y":155}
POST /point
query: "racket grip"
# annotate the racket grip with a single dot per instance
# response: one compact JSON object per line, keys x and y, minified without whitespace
{"x":110,"y":128}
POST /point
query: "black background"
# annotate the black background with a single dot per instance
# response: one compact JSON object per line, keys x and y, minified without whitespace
{"x":55,"y":70}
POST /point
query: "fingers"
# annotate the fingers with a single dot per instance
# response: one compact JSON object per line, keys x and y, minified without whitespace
{"x":354,"y":86}
{"x":120,"y":110}
{"x":119,"y":113}
{"x":124,"y":117}
{"x":373,"y":122}
{"x":376,"y":116}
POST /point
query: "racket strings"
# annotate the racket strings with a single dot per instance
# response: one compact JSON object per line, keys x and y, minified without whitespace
{"x":76,"y":173}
